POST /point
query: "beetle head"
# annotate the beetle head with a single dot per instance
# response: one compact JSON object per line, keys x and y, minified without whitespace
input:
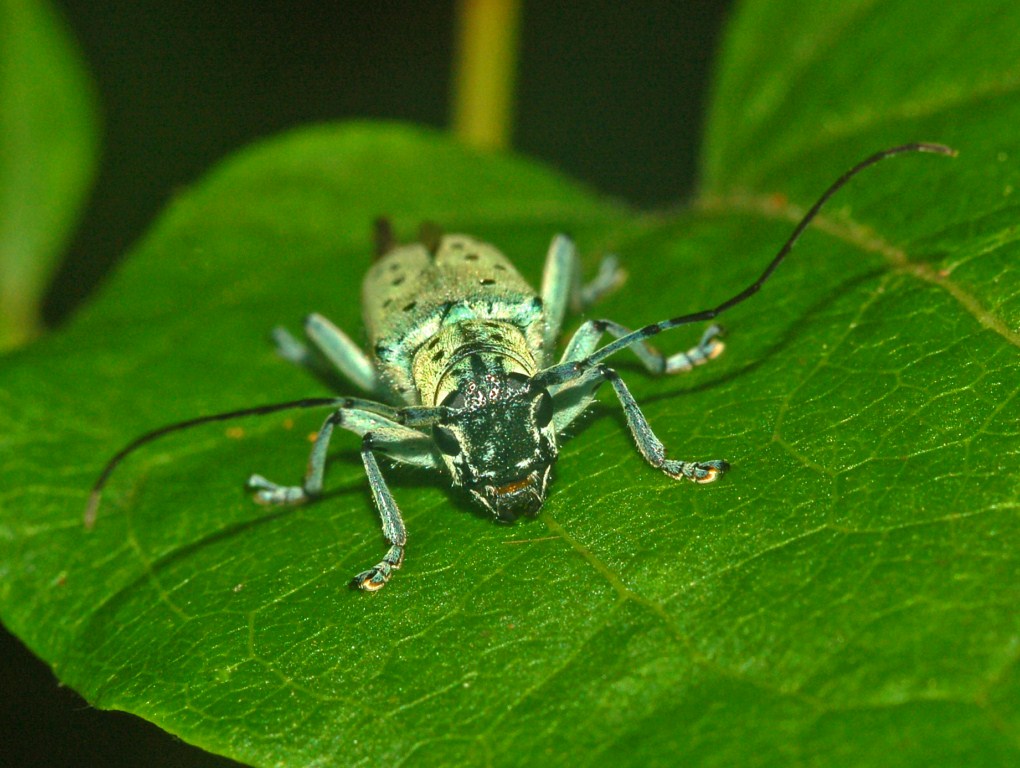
{"x":499,"y":442}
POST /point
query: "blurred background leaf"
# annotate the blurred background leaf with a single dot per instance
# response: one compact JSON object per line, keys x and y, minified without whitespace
{"x":48,"y":148}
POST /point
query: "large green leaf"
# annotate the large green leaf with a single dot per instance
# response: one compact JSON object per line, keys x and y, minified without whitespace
{"x":845,"y":596}
{"x":48,"y":147}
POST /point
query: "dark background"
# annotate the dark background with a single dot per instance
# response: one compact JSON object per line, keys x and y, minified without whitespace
{"x":610,"y":93}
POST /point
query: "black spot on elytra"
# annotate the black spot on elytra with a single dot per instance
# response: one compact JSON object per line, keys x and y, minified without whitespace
{"x":457,"y":245}
{"x":487,"y":281}
{"x":432,"y":344}
{"x":398,"y":280}
{"x":439,"y":355}
{"x":410,"y":306}
{"x":386,"y":304}
{"x":499,"y":267}
{"x":471,"y":257}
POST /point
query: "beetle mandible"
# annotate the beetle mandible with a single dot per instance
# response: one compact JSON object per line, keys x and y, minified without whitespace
{"x":466,"y":352}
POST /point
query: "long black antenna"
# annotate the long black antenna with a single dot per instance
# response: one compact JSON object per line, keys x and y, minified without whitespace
{"x":92,"y":508}
{"x":707,"y":314}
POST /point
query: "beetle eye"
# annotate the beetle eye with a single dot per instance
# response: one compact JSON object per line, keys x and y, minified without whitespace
{"x":544,"y":413}
{"x":446,"y":441}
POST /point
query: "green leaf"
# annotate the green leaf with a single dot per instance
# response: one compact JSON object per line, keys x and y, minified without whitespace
{"x":48,"y":148}
{"x":844,"y":596}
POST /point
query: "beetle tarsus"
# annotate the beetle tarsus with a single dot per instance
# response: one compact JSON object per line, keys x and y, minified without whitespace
{"x":269,"y":492}
{"x":696,"y":471}
{"x":375,"y":578}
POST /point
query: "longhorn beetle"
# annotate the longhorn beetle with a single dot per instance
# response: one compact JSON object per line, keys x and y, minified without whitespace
{"x":466,"y":351}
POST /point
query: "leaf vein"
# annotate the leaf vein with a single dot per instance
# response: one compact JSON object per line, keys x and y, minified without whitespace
{"x":865,"y":238}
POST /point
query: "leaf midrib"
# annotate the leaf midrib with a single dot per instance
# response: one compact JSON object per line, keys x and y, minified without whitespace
{"x":864,"y":238}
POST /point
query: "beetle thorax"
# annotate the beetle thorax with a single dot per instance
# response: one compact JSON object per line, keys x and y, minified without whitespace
{"x":464,"y":356}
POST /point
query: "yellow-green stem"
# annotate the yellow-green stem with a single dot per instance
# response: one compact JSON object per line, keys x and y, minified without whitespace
{"x":485,"y":71}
